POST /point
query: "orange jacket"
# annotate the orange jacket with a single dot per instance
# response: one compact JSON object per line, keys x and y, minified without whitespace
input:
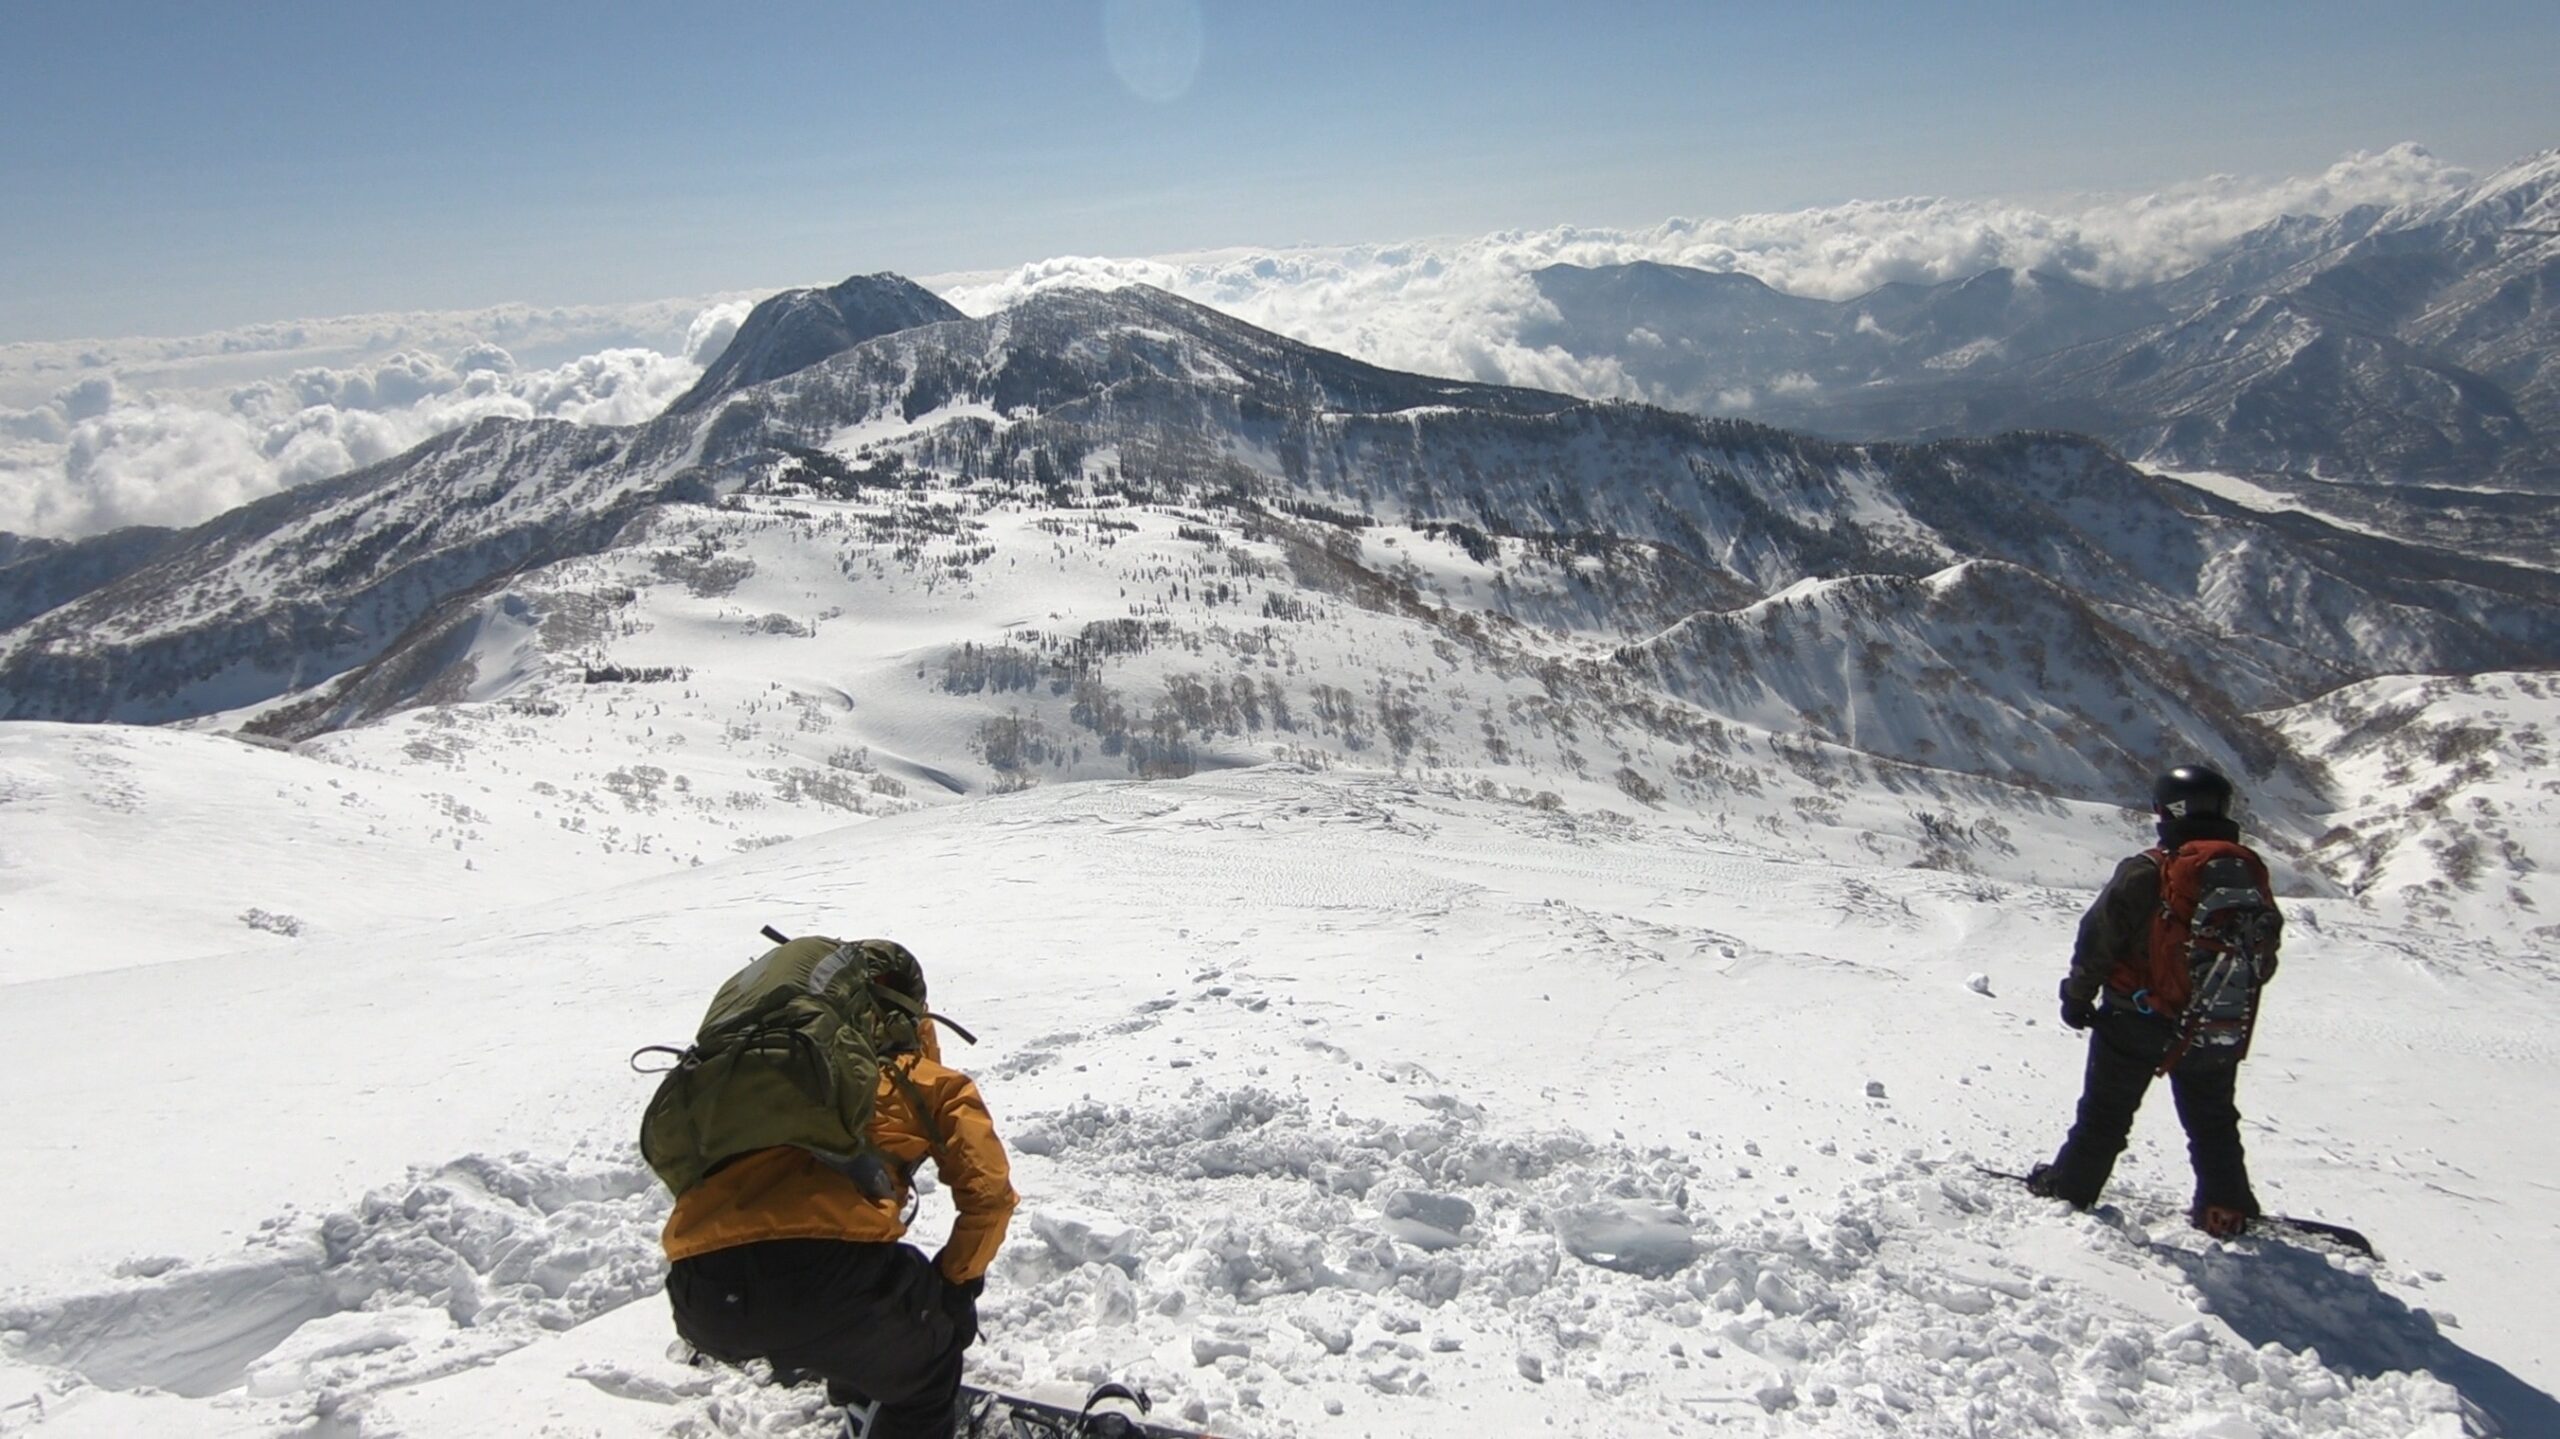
{"x":788,"y":1194}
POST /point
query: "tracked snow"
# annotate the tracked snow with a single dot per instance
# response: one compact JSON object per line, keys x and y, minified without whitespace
{"x":1336,"y":1100}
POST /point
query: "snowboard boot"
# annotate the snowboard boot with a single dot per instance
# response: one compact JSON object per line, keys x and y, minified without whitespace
{"x":2222,"y":1221}
{"x":2040,"y":1181}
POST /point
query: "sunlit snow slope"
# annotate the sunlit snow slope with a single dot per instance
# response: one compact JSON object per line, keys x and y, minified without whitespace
{"x":1337,"y":1100}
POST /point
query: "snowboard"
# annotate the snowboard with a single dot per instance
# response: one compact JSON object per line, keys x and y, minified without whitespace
{"x":2282,"y":1226}
{"x":993,"y":1414}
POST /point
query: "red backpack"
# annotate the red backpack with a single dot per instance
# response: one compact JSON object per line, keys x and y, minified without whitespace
{"x":2211,"y":946}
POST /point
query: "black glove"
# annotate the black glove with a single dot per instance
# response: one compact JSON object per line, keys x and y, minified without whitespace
{"x":960,"y":1301}
{"x":2077,"y":1012}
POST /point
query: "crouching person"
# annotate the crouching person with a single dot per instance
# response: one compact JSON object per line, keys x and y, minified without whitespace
{"x":790,"y":1131}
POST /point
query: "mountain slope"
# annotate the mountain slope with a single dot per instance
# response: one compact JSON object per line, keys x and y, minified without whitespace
{"x":1917,"y":669}
{"x":37,"y":575}
{"x":2446,"y":792}
{"x":293,"y":589}
{"x":2409,"y":344}
{"x":1539,"y":535}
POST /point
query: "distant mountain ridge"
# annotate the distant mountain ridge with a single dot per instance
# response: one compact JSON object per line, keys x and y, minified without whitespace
{"x":2414,"y":344}
{"x":1621,"y":553}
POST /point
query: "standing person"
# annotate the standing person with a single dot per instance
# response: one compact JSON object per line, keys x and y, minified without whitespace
{"x":792,"y":1253}
{"x":2116,"y":976}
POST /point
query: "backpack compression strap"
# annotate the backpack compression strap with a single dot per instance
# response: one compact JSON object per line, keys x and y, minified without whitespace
{"x":914,"y":1008}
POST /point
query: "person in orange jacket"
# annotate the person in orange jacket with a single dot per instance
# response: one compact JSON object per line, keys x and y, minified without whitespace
{"x":776,"y":1256}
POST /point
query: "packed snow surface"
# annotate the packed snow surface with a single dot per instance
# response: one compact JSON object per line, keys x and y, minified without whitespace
{"x":1340,"y":1104}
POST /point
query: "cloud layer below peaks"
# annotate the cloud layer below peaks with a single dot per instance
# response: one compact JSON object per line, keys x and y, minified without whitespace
{"x":100,"y":434}
{"x":1458,"y":307}
{"x":173,"y":432}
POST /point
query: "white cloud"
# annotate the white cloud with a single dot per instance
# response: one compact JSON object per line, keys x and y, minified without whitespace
{"x":42,"y":426}
{"x":88,"y":399}
{"x":117,"y":469}
{"x":1457,"y":307}
{"x":713,"y":329}
{"x":99,"y":454}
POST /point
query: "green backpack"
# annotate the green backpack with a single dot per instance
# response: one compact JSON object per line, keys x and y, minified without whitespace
{"x":791,"y":1053}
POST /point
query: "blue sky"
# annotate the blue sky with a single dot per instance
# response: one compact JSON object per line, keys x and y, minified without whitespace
{"x":179,"y":167}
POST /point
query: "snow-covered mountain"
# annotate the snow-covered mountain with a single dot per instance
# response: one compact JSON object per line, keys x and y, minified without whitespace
{"x":1522,"y":514}
{"x":2395,"y":345}
{"x":1392,"y":833}
{"x":1727,"y":343}
{"x":2445,"y":779}
{"x":1936,"y":666}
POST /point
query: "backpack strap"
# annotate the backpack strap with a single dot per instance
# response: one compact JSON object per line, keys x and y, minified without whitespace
{"x":913,"y":1008}
{"x":2159,"y":855}
{"x":873,"y":1170}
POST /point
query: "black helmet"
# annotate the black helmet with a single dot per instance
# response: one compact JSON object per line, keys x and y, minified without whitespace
{"x":2190,"y":790}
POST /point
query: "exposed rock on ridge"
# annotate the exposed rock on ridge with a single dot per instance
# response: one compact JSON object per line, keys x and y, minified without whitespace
{"x":799,"y":328}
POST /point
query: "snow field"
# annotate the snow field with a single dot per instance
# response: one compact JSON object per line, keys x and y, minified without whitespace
{"x":1420,"y":1275}
{"x":129,"y":816}
{"x":1335,"y":1100}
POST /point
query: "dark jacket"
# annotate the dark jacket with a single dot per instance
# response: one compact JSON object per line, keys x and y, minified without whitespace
{"x":2115,"y":935}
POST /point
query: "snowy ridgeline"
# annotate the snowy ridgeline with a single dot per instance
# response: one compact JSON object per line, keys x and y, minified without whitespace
{"x":736,"y":677}
{"x":1339,"y":1104}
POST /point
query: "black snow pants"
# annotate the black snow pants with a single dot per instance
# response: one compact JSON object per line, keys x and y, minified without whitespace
{"x":875,"y":1321}
{"x":2125,"y":1048}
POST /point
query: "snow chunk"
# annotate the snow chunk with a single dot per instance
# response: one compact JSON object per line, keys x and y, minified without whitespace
{"x":1208,"y":1349}
{"x":1629,"y":1236}
{"x":1427,"y":1220}
{"x":1080,"y":1237}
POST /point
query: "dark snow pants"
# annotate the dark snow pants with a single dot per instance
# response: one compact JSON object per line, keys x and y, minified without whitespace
{"x":2125,"y":1047}
{"x":875,"y":1321}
